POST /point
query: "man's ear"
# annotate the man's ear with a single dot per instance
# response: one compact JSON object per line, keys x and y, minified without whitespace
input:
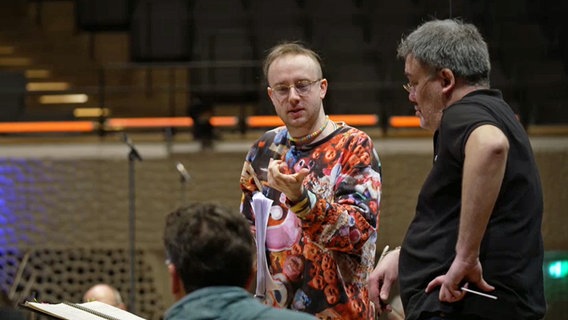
{"x":175,"y":283}
{"x":323,"y":88}
{"x":448,"y":80}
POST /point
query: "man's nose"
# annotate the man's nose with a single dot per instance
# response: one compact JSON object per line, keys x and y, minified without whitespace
{"x":293,"y":94}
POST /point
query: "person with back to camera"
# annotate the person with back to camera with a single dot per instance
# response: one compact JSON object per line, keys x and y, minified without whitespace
{"x":478,"y":218}
{"x":210,"y":251}
{"x":311,"y":192}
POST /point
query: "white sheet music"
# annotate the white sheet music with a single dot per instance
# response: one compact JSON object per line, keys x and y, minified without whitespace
{"x":68,"y":311}
{"x":261,"y":206}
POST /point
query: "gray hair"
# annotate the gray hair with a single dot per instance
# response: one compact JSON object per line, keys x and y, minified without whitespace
{"x":450,"y":44}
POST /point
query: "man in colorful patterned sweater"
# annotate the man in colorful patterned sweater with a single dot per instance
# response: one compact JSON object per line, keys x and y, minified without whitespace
{"x":311,"y":191}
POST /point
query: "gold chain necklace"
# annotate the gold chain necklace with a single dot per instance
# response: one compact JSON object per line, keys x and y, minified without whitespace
{"x":311,"y":136}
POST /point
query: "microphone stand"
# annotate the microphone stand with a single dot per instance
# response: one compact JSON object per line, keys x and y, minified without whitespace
{"x":133,"y":155}
{"x":184,"y":179}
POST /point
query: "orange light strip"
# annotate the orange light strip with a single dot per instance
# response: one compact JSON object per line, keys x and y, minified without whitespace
{"x":356,"y":119}
{"x":225,"y":121}
{"x":119,"y":123}
{"x":351,"y":119}
{"x":164,"y":122}
{"x":51,"y":126}
{"x":404,"y":122}
{"x":264,"y":121}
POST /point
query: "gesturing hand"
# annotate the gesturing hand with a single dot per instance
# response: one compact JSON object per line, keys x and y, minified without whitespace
{"x":281,"y":179}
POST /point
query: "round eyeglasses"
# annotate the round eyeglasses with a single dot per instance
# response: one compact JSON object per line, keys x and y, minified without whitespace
{"x":302,"y":87}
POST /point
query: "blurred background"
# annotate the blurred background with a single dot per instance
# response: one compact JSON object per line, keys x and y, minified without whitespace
{"x":76,"y":75}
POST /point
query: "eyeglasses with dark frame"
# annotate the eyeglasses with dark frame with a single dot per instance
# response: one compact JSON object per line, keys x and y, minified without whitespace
{"x":302,"y":87}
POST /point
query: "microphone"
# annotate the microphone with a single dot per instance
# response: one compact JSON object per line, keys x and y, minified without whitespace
{"x":133,"y":152}
{"x":183,"y":173}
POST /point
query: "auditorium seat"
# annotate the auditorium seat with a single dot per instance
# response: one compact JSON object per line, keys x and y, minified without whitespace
{"x":223,"y":44}
{"x":353,"y":88}
{"x":160,"y":31}
{"x":273,"y":22}
{"x":215,"y":16}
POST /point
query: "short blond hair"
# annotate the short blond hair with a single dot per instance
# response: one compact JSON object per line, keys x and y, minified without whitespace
{"x":291,"y":48}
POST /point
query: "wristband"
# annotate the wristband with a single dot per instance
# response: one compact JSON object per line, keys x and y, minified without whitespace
{"x":299,"y":205}
{"x":300,"y":208}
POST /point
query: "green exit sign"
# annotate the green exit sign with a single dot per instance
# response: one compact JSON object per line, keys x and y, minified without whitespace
{"x":558,"y":269}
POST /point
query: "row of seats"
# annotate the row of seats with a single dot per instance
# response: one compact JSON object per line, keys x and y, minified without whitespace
{"x":359,"y":62}
{"x":357,"y":39}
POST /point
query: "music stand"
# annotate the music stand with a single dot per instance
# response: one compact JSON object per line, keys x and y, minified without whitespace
{"x":133,"y":155}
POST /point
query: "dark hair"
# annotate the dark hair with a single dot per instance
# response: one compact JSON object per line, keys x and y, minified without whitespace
{"x":209,"y":245}
{"x":451,"y":44}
